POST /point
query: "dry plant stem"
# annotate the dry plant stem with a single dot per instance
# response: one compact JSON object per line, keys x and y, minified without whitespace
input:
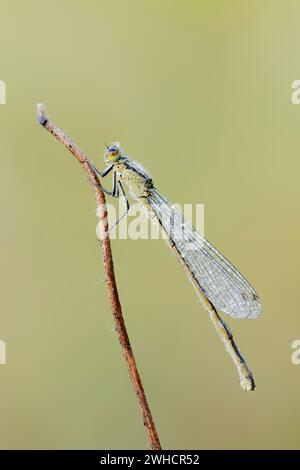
{"x":59,"y":135}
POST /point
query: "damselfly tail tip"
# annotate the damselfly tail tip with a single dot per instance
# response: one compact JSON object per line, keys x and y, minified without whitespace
{"x":248,"y":386}
{"x":247,"y":380}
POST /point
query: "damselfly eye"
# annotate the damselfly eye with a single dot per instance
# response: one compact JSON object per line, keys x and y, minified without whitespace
{"x":113,"y":153}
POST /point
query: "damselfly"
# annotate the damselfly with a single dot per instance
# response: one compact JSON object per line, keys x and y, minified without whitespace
{"x":218,"y":283}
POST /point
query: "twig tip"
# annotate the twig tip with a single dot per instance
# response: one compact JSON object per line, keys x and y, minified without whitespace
{"x":41,"y":114}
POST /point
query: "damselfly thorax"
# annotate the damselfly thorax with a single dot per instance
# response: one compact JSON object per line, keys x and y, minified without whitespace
{"x":135,"y":182}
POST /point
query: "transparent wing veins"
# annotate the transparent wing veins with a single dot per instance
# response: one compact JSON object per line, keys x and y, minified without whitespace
{"x":217,"y":278}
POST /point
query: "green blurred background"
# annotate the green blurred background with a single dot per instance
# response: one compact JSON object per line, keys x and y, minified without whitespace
{"x":200,"y":92}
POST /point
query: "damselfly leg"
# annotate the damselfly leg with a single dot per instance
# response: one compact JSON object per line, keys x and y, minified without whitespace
{"x":102,"y":174}
{"x":117,"y":188}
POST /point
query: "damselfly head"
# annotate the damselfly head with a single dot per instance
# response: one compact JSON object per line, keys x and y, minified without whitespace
{"x":113,"y":152}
